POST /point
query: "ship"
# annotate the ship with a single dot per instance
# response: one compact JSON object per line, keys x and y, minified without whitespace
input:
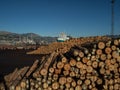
{"x":62,"y":37}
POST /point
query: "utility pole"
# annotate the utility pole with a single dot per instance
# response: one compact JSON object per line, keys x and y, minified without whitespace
{"x":112,"y":18}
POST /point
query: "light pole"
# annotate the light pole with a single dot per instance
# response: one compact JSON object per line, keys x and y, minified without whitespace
{"x":112,"y":18}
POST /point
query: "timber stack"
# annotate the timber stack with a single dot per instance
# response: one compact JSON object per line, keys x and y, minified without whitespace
{"x":90,"y":66}
{"x":63,"y":47}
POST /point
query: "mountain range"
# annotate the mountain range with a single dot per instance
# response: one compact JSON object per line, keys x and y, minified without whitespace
{"x":9,"y":36}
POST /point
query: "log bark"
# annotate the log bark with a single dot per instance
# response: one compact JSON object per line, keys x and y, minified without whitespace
{"x":32,"y":68}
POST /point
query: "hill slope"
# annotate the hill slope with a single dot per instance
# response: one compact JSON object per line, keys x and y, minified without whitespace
{"x":9,"y":36}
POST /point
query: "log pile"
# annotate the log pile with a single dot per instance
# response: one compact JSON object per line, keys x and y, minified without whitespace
{"x":90,"y":66}
{"x":63,"y":47}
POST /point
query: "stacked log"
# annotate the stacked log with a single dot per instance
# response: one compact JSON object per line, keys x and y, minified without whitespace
{"x":92,"y":66}
{"x":63,"y":47}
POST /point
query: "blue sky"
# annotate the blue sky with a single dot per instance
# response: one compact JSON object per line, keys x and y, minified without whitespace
{"x":51,"y":17}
